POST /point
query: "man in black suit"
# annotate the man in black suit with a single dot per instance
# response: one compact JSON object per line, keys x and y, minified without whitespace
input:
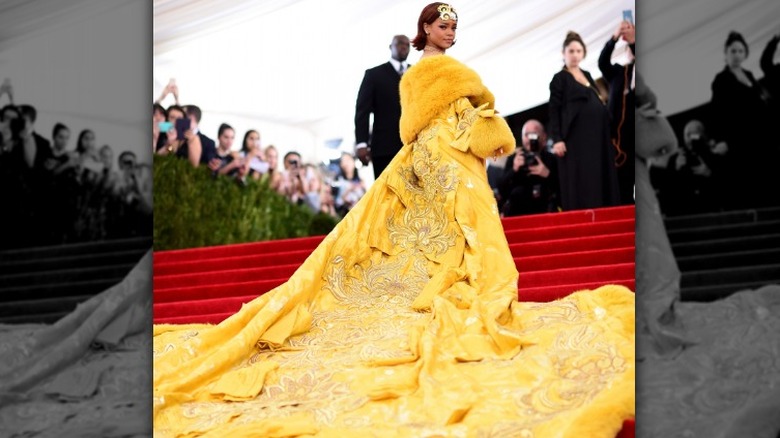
{"x":379,"y":95}
{"x":208,"y":148}
{"x":42,"y":146}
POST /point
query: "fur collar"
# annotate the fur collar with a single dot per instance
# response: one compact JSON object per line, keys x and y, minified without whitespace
{"x":430,"y":86}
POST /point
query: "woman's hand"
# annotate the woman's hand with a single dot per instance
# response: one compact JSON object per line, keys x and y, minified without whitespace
{"x":215,"y":164}
{"x":559,"y":149}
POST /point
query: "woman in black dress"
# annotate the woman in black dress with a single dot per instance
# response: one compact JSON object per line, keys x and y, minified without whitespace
{"x":579,"y":127}
{"x":739,"y":124}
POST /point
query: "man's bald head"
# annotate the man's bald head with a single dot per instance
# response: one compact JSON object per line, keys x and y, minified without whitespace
{"x":530,"y":128}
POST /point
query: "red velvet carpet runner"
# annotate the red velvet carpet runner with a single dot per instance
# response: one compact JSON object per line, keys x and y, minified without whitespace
{"x":556,"y":254}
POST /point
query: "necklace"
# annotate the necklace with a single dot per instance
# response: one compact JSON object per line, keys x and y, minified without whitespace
{"x":430,"y":50}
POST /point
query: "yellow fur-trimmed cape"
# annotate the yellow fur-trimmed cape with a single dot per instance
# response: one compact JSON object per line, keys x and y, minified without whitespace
{"x":432,"y":85}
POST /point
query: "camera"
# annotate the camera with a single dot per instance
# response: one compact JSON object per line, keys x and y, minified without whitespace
{"x":530,"y":159}
{"x":693,"y":153}
{"x":18,"y":125}
{"x":533,"y":138}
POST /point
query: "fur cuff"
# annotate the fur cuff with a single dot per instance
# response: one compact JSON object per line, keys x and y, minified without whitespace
{"x":491,"y":134}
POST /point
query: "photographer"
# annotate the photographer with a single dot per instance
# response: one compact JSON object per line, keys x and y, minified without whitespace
{"x":530,"y":180}
{"x":348,"y":188}
{"x":690,"y":183}
{"x":294,"y":183}
{"x":131,"y":201}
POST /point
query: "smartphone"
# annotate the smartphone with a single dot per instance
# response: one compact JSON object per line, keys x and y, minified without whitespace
{"x":628,"y":16}
{"x":182,"y":125}
{"x":165,"y":126}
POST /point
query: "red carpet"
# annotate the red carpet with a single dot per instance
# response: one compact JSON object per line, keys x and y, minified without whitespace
{"x":556,"y":254}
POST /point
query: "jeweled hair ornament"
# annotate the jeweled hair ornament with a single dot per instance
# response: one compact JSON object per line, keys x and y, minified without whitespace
{"x":446,"y":12}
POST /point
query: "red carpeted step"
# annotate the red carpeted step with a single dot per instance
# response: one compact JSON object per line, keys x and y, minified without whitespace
{"x":221,"y":263}
{"x":213,"y":318}
{"x":575,"y":259}
{"x":195,"y":308}
{"x":590,"y":274}
{"x":569,"y":217}
{"x":210,"y":252}
{"x":526,"y":235}
{"x":549,"y":293}
{"x":562,"y":246}
{"x":628,"y":430}
{"x":228,"y":274}
{"x":223,"y":290}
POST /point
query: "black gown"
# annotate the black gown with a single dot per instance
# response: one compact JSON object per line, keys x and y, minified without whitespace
{"x":587,"y":173}
{"x":738,"y":116}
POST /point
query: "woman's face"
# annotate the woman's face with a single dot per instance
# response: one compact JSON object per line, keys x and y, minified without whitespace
{"x":253,"y":141}
{"x":226,"y":139}
{"x":174,"y":115}
{"x":735,"y":54}
{"x":347,"y":163}
{"x":441,"y":33}
{"x":573,"y":54}
{"x":158,"y":116}
{"x":107,"y":157}
{"x":8,"y":115}
{"x":61,"y":139}
{"x":88,"y":142}
{"x":272,"y":157}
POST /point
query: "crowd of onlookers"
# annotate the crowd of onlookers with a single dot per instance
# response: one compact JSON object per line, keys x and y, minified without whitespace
{"x":53,"y":193}
{"x":332,"y":189}
{"x":584,"y":157}
{"x":727,"y":157}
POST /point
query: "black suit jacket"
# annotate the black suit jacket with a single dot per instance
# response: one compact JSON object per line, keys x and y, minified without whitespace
{"x":42,"y":150}
{"x":566,"y":99}
{"x":379,"y":95}
{"x":549,"y":186}
{"x":208,"y":149}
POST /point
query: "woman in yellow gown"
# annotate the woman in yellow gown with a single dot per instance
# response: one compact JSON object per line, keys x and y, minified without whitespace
{"x":405,"y":321}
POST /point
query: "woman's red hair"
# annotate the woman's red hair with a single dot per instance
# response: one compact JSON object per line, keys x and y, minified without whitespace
{"x":428,"y":15}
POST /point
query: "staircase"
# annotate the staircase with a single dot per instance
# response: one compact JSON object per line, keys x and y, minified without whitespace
{"x":721,"y":253}
{"x":41,"y":285}
{"x":556,"y":254}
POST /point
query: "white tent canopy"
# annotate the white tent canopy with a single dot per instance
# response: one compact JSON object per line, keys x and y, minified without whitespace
{"x":81,"y":63}
{"x":292,"y":68}
{"x":682,"y":49}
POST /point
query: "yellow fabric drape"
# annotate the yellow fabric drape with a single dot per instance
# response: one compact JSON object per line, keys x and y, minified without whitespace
{"x":405,"y":322}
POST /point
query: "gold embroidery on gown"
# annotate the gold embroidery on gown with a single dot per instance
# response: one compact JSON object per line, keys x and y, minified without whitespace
{"x":405,"y":320}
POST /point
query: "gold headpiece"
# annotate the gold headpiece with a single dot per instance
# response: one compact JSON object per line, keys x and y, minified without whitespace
{"x":446,"y":12}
